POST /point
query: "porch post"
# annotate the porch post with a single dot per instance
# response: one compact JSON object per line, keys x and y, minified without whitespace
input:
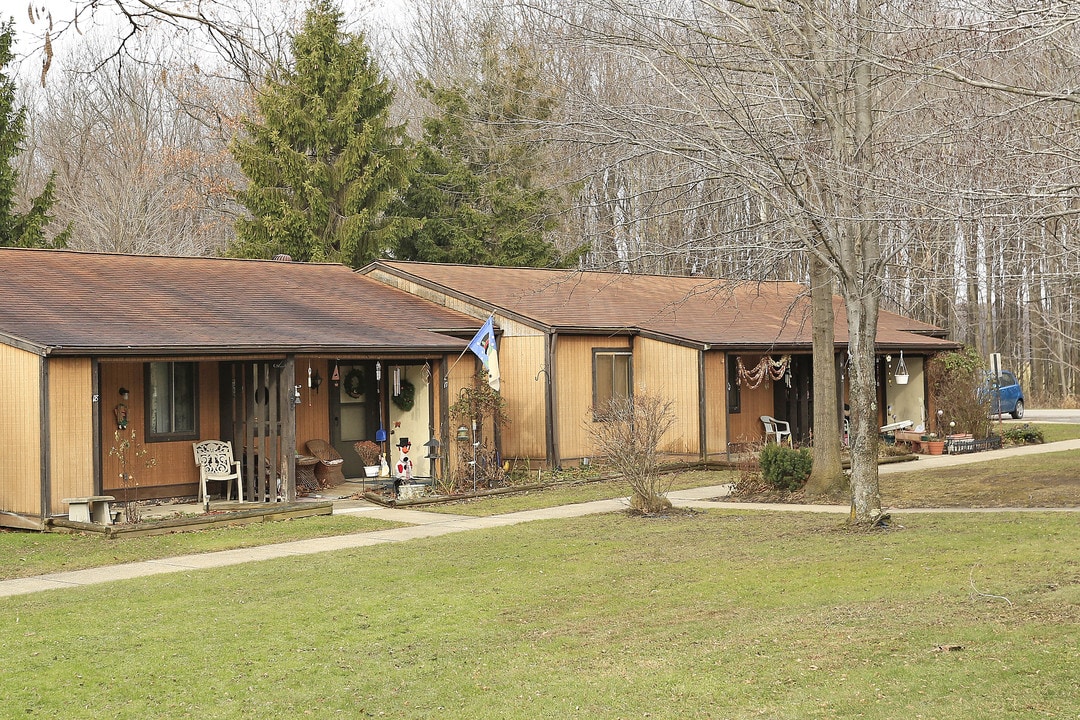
{"x":288,"y":427}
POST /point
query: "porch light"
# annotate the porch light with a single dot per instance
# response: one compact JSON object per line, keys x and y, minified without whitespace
{"x":124,"y":393}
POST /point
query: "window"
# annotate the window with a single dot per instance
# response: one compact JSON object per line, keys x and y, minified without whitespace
{"x":734,"y":389}
{"x":171,"y":401}
{"x":611,"y":376}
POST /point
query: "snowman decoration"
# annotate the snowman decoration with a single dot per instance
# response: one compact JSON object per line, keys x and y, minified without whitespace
{"x":404,"y":468}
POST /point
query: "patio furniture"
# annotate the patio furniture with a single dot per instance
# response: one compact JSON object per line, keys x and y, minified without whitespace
{"x":776,"y":429}
{"x":91,"y":509}
{"x":216,"y":462}
{"x":328,"y":471}
{"x":305,"y":473}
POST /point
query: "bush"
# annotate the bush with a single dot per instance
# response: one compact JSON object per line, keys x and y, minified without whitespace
{"x":956,"y":380}
{"x":784,"y":468}
{"x":1026,"y":434}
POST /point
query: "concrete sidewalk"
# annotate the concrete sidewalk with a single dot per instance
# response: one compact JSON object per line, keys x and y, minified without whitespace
{"x":427,"y":524}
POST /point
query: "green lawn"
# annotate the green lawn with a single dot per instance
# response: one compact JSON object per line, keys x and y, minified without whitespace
{"x":712,"y":615}
{"x":29,"y":553}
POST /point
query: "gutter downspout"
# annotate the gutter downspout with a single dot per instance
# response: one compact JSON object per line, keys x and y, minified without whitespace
{"x":703,"y":437}
{"x":45,"y":478}
{"x":551,"y":421}
{"x":95,"y":384}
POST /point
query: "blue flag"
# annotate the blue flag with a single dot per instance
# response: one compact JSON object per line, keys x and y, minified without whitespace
{"x":483,"y":345}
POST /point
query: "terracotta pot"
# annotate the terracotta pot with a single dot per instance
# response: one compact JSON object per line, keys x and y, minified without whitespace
{"x":935,"y":447}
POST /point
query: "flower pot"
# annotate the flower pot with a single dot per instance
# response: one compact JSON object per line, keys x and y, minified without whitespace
{"x":902,"y":379}
{"x":371,"y":471}
{"x":935,"y":447}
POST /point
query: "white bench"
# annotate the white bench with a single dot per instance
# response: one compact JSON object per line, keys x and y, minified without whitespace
{"x":91,"y":509}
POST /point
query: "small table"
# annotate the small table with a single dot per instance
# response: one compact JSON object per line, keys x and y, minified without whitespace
{"x":305,"y":473}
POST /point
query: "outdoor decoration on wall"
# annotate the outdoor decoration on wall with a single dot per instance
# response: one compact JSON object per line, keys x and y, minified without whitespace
{"x":767,"y":367}
{"x":406,"y":398}
{"x":354,"y":382}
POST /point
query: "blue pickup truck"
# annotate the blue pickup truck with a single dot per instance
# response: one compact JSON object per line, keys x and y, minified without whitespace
{"x":1006,"y":396}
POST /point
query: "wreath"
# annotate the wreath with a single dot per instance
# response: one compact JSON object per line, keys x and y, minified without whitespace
{"x":407,"y":397}
{"x":354,"y":383}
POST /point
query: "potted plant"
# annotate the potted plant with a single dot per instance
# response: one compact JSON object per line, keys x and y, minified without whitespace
{"x":369,"y":455}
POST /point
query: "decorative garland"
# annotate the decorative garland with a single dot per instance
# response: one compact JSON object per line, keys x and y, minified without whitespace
{"x":767,"y":367}
{"x":354,"y":382}
{"x":407,"y":397}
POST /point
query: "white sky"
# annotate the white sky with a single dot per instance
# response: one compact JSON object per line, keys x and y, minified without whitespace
{"x":29,"y":36}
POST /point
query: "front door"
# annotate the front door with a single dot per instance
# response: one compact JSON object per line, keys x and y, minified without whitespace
{"x":354,"y":413}
{"x":793,"y":399}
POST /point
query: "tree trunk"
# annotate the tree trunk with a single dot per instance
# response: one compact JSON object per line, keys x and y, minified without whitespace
{"x":827,"y":477}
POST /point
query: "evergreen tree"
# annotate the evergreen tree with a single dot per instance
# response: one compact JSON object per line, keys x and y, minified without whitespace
{"x":324,"y":160}
{"x":472,"y":193}
{"x":18,"y":229}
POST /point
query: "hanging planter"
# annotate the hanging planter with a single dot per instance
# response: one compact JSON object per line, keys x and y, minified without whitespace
{"x":902,"y":376}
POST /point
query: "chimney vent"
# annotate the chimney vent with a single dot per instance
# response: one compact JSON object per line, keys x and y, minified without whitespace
{"x":283,"y":258}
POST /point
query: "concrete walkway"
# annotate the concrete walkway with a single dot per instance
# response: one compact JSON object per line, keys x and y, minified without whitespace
{"x":429,"y":524}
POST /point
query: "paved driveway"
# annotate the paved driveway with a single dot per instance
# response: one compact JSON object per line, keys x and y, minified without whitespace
{"x":1049,"y":416}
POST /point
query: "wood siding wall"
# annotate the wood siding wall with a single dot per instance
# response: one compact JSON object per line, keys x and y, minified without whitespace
{"x":173,"y":472}
{"x":573,"y":378}
{"x":521,"y":359}
{"x":313,"y":412}
{"x":71,"y":431}
{"x":715,"y":404}
{"x":20,"y":428}
{"x":745,"y":426}
{"x":671,"y":372}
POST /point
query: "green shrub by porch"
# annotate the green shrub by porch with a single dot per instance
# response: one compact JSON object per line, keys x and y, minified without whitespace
{"x":784,"y":468}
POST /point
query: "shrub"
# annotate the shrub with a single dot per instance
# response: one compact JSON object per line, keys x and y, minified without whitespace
{"x":955,"y":380}
{"x":628,"y":439}
{"x":1026,"y":434}
{"x":784,"y":468}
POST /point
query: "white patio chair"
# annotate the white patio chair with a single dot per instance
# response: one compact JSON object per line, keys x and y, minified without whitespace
{"x":776,"y":429}
{"x":216,"y":462}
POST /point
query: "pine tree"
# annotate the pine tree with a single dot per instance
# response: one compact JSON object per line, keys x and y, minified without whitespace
{"x":18,"y":229}
{"x":472,"y":194}
{"x":324,"y":160}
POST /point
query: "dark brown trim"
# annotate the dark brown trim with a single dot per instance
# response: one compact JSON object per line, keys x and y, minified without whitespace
{"x":703,"y":405}
{"x":45,"y":478}
{"x":95,"y":383}
{"x":553,"y":376}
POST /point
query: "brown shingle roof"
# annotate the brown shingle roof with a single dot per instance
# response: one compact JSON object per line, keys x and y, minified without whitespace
{"x":74,"y":302}
{"x":693,"y":309}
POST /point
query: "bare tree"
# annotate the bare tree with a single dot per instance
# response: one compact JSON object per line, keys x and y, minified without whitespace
{"x":628,"y":436}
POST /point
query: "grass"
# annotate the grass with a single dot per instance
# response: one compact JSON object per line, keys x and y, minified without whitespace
{"x":1045,"y":480}
{"x":570,"y":493}
{"x":714,"y":615}
{"x":1052,"y":432}
{"x":26,"y":554}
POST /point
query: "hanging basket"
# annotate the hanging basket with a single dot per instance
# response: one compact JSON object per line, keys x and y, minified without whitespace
{"x":902,"y":376}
